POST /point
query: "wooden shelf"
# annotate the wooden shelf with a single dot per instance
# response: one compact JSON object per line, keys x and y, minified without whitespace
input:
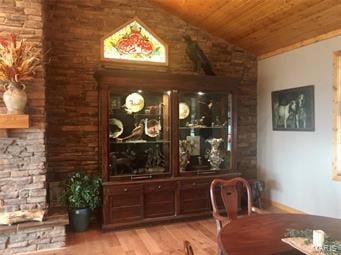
{"x":14,"y":121}
{"x":140,"y":142}
{"x":198,"y":127}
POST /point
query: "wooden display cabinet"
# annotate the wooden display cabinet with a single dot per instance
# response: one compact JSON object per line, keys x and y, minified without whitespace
{"x":163,"y":139}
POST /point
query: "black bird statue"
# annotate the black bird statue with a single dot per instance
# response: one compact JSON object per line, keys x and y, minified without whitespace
{"x":197,"y":56}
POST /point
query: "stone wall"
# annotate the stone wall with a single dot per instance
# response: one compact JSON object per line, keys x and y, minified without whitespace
{"x":22,"y":153}
{"x":73,"y":35}
{"x":34,"y":239}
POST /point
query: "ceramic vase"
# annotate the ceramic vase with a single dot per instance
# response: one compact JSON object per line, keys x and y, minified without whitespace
{"x":214,"y":155}
{"x":15,"y":98}
{"x":184,"y":154}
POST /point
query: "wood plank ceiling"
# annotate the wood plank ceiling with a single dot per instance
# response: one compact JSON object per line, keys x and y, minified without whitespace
{"x":263,"y":27}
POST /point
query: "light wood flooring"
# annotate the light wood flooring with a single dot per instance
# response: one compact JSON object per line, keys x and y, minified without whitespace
{"x":165,"y":239}
{"x":154,"y":240}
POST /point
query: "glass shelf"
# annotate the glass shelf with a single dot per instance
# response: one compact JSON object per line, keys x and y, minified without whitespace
{"x":140,"y":115}
{"x":139,"y":136}
{"x":205,"y":132}
{"x":203,"y":127}
{"x":147,"y":115}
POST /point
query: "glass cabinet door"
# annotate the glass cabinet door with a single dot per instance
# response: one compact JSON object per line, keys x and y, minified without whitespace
{"x":205,"y":132}
{"x":139,"y":133}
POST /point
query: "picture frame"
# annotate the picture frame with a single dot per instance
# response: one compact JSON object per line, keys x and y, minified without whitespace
{"x":293,"y":109}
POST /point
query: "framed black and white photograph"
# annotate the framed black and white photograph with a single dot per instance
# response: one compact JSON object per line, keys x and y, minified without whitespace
{"x":293,"y":109}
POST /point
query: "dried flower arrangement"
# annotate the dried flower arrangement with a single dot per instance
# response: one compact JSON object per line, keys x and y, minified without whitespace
{"x":18,"y":59}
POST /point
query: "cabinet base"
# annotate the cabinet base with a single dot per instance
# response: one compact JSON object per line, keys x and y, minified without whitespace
{"x":156,"y":221}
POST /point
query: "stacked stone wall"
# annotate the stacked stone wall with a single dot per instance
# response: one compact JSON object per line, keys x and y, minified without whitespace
{"x":23,"y":165}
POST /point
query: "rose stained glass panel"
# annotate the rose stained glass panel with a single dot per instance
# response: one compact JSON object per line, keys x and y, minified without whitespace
{"x":133,"y":42}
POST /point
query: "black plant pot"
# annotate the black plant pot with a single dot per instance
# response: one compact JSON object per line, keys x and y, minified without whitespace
{"x":79,"y":219}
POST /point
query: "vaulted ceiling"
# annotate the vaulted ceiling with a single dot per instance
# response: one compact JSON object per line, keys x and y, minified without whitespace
{"x":264,"y":27}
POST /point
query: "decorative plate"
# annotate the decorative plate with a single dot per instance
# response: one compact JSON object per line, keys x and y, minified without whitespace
{"x":115,"y":128}
{"x":183,"y":110}
{"x":152,"y":127}
{"x":134,"y":102}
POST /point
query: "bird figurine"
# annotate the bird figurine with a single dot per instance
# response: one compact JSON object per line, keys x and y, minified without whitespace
{"x":136,"y":133}
{"x":197,"y":56}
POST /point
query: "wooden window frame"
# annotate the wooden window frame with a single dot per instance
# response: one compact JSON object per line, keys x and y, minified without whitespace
{"x":337,"y":116}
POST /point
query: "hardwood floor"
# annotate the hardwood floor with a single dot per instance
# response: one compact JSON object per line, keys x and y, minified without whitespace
{"x":154,"y":240}
{"x":166,"y":239}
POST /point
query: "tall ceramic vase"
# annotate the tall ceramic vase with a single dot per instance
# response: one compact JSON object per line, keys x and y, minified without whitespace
{"x":15,"y":98}
{"x":214,"y":155}
{"x":184,"y":154}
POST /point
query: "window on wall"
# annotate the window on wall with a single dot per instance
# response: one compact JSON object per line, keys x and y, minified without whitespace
{"x":136,"y":43}
{"x":337,"y":117}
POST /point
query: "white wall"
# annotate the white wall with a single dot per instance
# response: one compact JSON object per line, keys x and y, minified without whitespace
{"x":297,"y":165}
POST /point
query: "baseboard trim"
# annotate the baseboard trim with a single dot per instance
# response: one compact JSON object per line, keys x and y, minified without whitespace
{"x":285,"y":208}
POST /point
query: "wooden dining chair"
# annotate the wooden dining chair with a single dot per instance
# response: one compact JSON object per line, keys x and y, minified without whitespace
{"x":230,"y":192}
{"x":188,"y":248}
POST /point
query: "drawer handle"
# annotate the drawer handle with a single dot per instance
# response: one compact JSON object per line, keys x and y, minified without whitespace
{"x":159,"y":187}
{"x":125,"y":189}
{"x":207,"y":172}
{"x":141,"y":177}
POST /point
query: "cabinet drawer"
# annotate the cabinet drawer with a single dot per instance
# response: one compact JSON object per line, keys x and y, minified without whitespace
{"x":198,"y":193}
{"x":124,"y":195}
{"x":195,"y":184}
{"x":126,"y":199}
{"x":159,"y":199}
{"x":126,"y":214}
{"x":122,"y":189}
{"x":195,"y":196}
{"x":161,"y":196}
{"x":195,"y":206}
{"x":159,"y":186}
{"x":159,"y":209}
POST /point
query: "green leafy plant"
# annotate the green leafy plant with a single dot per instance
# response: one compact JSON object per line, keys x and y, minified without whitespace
{"x":82,"y":191}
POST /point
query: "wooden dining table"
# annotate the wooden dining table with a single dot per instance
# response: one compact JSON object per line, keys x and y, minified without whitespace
{"x":261,"y":234}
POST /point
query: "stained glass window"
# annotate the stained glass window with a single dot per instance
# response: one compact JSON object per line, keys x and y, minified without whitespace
{"x":133,"y":42}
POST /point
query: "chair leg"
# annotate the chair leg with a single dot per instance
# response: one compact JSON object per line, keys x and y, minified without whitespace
{"x":219,"y":225}
{"x":219,"y":252}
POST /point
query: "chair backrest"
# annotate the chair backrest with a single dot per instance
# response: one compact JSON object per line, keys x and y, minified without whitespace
{"x":230,"y":191}
{"x":188,"y":248}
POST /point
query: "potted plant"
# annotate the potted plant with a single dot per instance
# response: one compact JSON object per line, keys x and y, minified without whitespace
{"x":82,"y":194}
{"x":19,"y":61}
